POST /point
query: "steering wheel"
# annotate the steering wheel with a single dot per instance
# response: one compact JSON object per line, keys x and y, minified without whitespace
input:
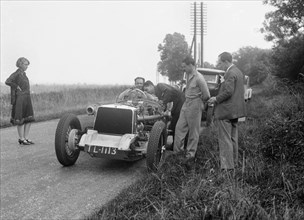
{"x":136,"y":94}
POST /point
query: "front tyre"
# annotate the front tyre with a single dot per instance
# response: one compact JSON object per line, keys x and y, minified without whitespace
{"x":66,"y":154}
{"x":156,"y":145}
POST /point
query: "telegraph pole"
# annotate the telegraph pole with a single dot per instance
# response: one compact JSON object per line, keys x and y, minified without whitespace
{"x":198,"y":27}
{"x":202,"y":35}
{"x":195,"y":14}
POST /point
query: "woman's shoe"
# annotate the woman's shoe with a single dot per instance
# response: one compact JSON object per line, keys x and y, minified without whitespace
{"x":24,"y":142}
{"x":29,"y":141}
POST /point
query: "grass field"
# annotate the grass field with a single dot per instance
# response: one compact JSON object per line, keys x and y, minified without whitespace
{"x":51,"y":101}
{"x":267,"y":184}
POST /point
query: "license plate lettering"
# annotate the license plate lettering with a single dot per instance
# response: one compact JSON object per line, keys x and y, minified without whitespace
{"x":101,"y":150}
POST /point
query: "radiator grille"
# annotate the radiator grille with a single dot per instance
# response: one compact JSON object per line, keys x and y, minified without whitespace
{"x":114,"y":121}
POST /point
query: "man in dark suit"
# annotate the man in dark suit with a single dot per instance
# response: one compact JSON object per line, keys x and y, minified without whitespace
{"x":230,"y":105}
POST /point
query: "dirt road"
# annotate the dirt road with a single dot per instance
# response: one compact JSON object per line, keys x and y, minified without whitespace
{"x":35,"y":186}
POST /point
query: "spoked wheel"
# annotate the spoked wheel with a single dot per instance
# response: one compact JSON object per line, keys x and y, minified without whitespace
{"x":156,"y":145}
{"x":66,"y":138}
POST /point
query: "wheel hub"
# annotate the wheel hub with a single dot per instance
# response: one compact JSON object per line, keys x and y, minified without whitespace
{"x":72,"y":140}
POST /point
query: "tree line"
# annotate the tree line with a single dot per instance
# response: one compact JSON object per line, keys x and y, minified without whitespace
{"x":284,"y":27}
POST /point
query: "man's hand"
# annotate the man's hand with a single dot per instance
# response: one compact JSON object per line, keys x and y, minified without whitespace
{"x":167,"y":112}
{"x":212,"y":100}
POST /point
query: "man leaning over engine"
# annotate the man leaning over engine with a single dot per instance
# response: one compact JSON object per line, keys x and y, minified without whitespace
{"x":167,"y":94}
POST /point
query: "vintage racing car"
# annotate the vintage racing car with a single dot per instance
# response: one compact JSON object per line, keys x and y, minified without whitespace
{"x":130,"y":129}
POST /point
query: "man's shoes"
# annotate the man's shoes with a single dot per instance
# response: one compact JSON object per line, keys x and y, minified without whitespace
{"x":189,"y":159}
{"x":188,"y":162}
{"x":228,"y":172}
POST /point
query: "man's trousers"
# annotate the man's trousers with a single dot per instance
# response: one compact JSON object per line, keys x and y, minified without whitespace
{"x":189,"y":120}
{"x":228,"y":142}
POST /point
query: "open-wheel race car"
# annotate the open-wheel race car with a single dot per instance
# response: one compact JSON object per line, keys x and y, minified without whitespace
{"x":130,"y":129}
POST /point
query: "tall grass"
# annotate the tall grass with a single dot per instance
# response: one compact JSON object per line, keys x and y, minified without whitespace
{"x":52,"y":104}
{"x":267,"y":184}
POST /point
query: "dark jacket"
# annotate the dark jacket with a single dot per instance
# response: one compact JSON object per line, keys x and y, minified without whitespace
{"x":230,"y":99}
{"x":18,"y":78}
{"x":167,"y":94}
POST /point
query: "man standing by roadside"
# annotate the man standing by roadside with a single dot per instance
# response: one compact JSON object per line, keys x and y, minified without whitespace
{"x":166,"y":94}
{"x":230,"y":105}
{"x":190,"y":117}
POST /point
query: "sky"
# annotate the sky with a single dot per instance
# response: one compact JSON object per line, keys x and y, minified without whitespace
{"x":112,"y":42}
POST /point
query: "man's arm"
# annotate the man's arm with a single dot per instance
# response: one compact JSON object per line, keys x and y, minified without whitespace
{"x":165,"y":93}
{"x":151,"y":96}
{"x":203,"y":87}
{"x":123,"y":94}
{"x":228,"y":89}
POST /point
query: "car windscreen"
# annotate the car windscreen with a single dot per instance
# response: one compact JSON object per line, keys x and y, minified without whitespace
{"x":210,"y":78}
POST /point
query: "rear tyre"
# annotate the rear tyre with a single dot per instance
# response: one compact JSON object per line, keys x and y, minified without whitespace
{"x":156,"y":145}
{"x":66,"y":155}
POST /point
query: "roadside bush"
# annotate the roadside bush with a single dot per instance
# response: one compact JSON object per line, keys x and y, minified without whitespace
{"x":282,"y":134}
{"x":283,"y":138}
{"x":281,"y":144}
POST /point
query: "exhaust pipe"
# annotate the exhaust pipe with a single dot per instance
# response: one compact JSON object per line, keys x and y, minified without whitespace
{"x":149,"y":117}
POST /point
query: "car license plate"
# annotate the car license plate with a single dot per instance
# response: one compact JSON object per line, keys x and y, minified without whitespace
{"x":102,"y":150}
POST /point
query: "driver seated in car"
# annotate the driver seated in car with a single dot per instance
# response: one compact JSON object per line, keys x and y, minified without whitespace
{"x":138,"y":84}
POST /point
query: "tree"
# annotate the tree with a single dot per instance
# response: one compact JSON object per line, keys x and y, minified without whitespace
{"x":285,"y":28}
{"x":288,"y":58}
{"x":208,"y":65}
{"x":172,"y":52}
{"x":284,"y":23}
{"x":254,"y":62}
